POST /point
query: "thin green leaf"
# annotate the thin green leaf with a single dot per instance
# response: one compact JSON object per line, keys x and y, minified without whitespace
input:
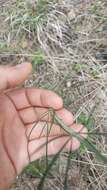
{"x":51,"y":115}
{"x":97,"y":134}
{"x":40,"y":186}
{"x":66,"y":172}
{"x":85,"y":142}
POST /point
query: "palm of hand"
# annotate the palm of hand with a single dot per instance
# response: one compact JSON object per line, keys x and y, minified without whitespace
{"x":19,"y":110}
{"x":13,"y":134}
{"x":22,"y":137}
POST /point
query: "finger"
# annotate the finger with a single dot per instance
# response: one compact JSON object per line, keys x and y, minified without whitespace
{"x":37,"y":148}
{"x":34,"y":114}
{"x":12,"y":76}
{"x":23,"y":98}
{"x":43,"y":129}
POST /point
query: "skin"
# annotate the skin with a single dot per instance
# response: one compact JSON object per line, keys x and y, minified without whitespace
{"x":20,"y":109}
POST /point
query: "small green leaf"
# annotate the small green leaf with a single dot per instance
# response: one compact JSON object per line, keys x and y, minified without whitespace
{"x":35,"y":168}
{"x":95,"y":73}
{"x":78,"y":67}
{"x":94,"y":8}
{"x":38,"y":58}
{"x":86,"y":121}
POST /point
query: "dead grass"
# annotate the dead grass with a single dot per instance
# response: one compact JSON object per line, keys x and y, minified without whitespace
{"x":64,"y":40}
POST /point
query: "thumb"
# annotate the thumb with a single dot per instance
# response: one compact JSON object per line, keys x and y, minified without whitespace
{"x":12,"y":76}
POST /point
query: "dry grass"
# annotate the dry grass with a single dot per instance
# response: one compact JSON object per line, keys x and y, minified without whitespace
{"x":65,"y":40}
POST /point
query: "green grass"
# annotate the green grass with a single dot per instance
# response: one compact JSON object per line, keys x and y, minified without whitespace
{"x":95,"y":73}
{"x":85,"y":143}
{"x":22,"y":19}
{"x":96,"y":8}
{"x":38,"y":58}
{"x":87,"y":121}
{"x":35,"y":169}
{"x":25,"y":16}
{"x":79,"y":67}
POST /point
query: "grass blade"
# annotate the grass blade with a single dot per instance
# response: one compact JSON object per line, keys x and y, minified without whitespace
{"x":40,"y":186}
{"x":51,"y":114}
{"x":66,"y":172}
{"x":85,"y":142}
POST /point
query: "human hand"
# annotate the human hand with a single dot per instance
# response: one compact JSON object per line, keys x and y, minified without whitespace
{"x":20,"y":109}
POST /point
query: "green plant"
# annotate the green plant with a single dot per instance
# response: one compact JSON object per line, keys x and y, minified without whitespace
{"x":71,"y":133}
{"x":94,"y":8}
{"x":42,"y":7}
{"x":26,"y":15}
{"x":78,"y":67}
{"x":95,"y":73}
{"x":35,"y":169}
{"x":87,"y":121}
{"x":38,"y":58}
